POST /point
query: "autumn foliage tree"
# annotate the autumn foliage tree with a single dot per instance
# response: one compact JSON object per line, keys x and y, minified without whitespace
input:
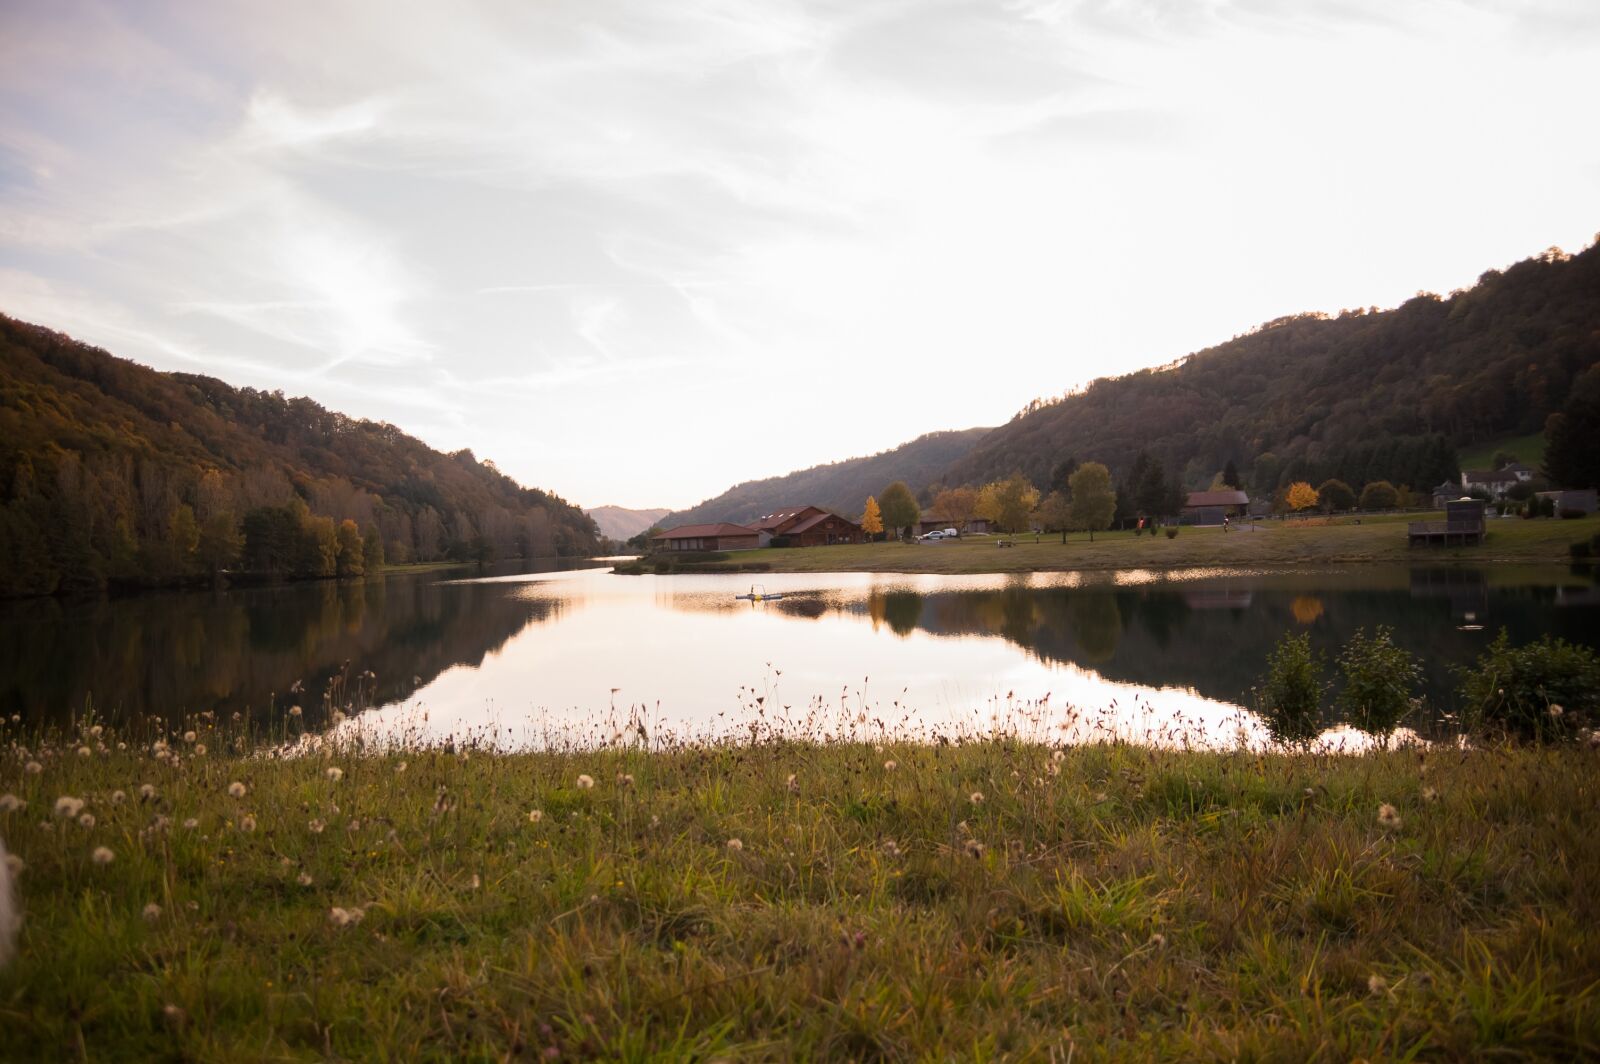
{"x":1009,"y":502}
{"x":872,"y":518}
{"x":1300,"y":496}
{"x":1056,"y":513}
{"x":956,"y":505}
{"x":1336,"y":496}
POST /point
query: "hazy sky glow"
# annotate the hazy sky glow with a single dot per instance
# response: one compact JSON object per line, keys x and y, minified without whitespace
{"x":635,"y":252}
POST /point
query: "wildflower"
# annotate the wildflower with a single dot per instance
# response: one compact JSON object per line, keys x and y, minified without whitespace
{"x":1388,"y":815}
{"x":84,"y":751}
{"x":294,"y":711}
{"x":976,"y":797}
{"x":102,"y":855}
{"x":353,"y":827}
{"x":174,"y":1015}
{"x":236,"y":789}
{"x":10,"y":803}
{"x":68,"y":806}
{"x":1158,"y":940}
{"x":96,"y":731}
{"x":159,"y":823}
{"x":1555,"y":711}
{"x":316,"y":827}
{"x":151,"y":912}
{"x":401,"y":767}
{"x":86,"y":820}
{"x":247,"y":823}
{"x":792,"y":784}
{"x":890,"y":765}
{"x":147,"y":793}
{"x":199,"y":749}
{"x":974,"y":848}
{"x":118,"y":797}
{"x":624,"y":779}
{"x":1058,"y":755}
{"x":335,"y":773}
{"x":304,"y":879}
{"x":891,"y":848}
{"x":585,"y":782}
{"x":341,"y":917}
{"x":33,"y":768}
{"x":189,"y":737}
{"x":477,"y":881}
{"x":1429,"y":794}
{"x":535,"y":815}
{"x":734,"y":845}
{"x":1377,"y":984}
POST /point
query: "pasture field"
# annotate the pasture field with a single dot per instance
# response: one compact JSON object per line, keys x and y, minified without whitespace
{"x":209,"y":899}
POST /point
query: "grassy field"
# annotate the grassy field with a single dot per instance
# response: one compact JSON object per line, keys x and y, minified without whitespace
{"x":1297,"y":542}
{"x":790,"y":900}
{"x":1528,"y":449}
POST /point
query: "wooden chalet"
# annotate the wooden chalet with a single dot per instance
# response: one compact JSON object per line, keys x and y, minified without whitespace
{"x":719,"y":536}
{"x":808,"y":526}
{"x":1463,"y":523}
{"x":1210,"y":507}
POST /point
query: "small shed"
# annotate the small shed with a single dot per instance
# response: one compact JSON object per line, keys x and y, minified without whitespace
{"x":1581,"y":499}
{"x":1210,"y":507}
{"x":1463,"y":523}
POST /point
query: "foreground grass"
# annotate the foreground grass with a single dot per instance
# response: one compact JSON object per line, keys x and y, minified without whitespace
{"x":1268,"y":544}
{"x":984,"y":901}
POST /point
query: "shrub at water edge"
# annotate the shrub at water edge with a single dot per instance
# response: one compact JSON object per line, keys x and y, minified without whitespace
{"x":1546,"y":691}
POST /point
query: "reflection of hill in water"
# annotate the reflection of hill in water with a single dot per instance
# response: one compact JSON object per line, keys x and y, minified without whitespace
{"x":177,"y":653}
{"x":1215,"y":637}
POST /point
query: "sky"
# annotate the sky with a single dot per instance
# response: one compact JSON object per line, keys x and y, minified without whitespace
{"x":638,"y":252}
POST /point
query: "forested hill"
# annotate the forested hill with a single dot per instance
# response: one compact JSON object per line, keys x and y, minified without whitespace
{"x":841,"y":486}
{"x":1362,"y":396}
{"x":113,"y":473}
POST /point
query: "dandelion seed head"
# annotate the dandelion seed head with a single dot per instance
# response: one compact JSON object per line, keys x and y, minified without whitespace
{"x":890,"y":765}
{"x":200,"y":749}
{"x":535,"y":815}
{"x":792,"y":784}
{"x":68,"y":806}
{"x":304,"y":879}
{"x":247,"y":823}
{"x":585,"y":782}
{"x":1555,"y":710}
{"x":86,"y":820}
{"x":33,"y":768}
{"x":1429,"y":794}
{"x":118,"y":797}
{"x":735,"y":845}
{"x":84,"y":751}
{"x":295,"y":711}
{"x":10,"y":803}
{"x":335,"y":773}
{"x":189,"y":737}
{"x":316,"y":826}
{"x":1388,"y":816}
{"x":147,"y":792}
{"x":102,"y":855}
{"x":151,"y":912}
{"x":976,"y":797}
{"x":1377,"y":984}
{"x":236,"y":789}
{"x":191,"y":823}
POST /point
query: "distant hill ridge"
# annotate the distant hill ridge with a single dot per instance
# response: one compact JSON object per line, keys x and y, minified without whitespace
{"x":619,"y":522}
{"x":1366,"y":395}
{"x":111,"y":472}
{"x":840,"y":486}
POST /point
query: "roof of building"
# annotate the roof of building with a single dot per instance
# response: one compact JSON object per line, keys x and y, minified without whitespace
{"x":1516,"y":467}
{"x":816,"y":519}
{"x":770,"y":521}
{"x":1231,"y":497}
{"x":720,"y":528}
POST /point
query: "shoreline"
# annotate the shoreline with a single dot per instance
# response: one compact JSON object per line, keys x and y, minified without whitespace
{"x":1272,"y":545}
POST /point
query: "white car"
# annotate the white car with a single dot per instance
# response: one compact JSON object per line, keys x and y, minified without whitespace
{"x":935,"y":534}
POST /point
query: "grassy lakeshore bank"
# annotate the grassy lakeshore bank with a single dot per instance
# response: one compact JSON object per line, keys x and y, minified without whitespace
{"x":1268,"y":544}
{"x":793,"y":900}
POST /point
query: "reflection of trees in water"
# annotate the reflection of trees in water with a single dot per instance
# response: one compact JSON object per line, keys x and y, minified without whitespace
{"x":1215,"y":639}
{"x":180,"y":652}
{"x":900,"y":610}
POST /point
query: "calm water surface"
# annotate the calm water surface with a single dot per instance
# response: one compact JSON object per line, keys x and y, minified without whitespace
{"x":578,"y":654}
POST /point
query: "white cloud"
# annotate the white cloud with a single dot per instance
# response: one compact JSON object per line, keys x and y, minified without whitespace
{"x":587,"y":238}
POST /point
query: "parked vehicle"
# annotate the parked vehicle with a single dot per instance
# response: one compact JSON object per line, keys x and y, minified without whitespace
{"x":935,"y":534}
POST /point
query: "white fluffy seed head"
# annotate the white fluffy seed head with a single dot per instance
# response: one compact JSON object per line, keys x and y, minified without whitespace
{"x":236,"y":789}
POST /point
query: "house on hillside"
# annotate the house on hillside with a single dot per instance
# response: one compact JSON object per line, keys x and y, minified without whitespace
{"x":719,"y":536}
{"x":808,"y":526}
{"x":1210,"y":507}
{"x":1520,"y":471}
{"x":1495,"y":482}
{"x":1449,"y":491}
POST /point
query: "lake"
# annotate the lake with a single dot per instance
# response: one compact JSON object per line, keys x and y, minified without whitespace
{"x":576,"y":654}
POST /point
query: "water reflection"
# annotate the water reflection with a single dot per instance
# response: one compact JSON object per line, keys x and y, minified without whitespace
{"x":533,"y":657}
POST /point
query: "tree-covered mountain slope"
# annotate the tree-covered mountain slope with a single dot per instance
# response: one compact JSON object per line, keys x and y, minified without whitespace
{"x":111,"y":472}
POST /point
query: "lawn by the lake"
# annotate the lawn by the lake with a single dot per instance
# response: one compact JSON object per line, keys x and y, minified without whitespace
{"x":1285,"y":543}
{"x":791,"y":900}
